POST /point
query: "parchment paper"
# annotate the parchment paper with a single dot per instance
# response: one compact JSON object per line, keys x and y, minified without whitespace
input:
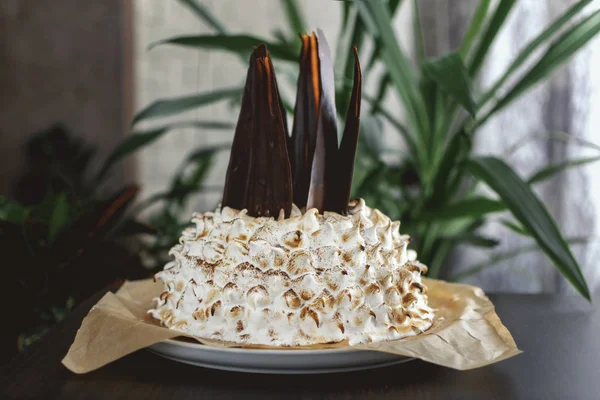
{"x":466,"y":332}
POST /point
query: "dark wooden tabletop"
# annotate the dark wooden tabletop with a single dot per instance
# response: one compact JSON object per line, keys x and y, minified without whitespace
{"x":560,"y":338}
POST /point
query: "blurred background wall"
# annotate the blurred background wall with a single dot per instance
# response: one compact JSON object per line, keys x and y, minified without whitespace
{"x":67,"y":62}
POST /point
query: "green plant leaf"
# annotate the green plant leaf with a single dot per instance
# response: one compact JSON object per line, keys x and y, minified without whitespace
{"x":352,"y":33}
{"x":279,"y":35}
{"x":489,"y":34}
{"x":456,"y":152}
{"x":409,"y":139}
{"x":443,"y":248}
{"x":429,"y":91}
{"x":239,"y":44}
{"x":59,"y":217}
{"x":203,"y":153}
{"x":504,"y":256}
{"x":186,"y":182}
{"x":474,"y":27}
{"x":551,"y":170}
{"x":12,"y":212}
{"x":376,"y":17}
{"x":372,"y":136}
{"x":452,"y":77}
{"x":132,"y":227}
{"x":110,"y":214}
{"x":541,"y":39}
{"x":137,"y":140}
{"x":443,"y":108}
{"x":561,"y":50}
{"x":471,"y":207}
{"x":346,"y":5}
{"x":295,"y":17}
{"x":205,"y":15}
{"x":382,"y":87}
{"x":476,"y":240}
{"x":515,"y":227}
{"x":458,"y":226}
{"x":375,"y":187}
{"x":418,"y":32}
{"x":191,"y":181}
{"x":393,"y":6}
{"x":367,"y":158}
{"x":176,"y":105}
{"x":558,"y":136}
{"x":532,"y":214}
{"x":377,"y":46}
{"x":377,"y":20}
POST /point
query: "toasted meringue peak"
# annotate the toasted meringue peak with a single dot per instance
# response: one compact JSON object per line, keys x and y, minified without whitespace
{"x":307,"y":279}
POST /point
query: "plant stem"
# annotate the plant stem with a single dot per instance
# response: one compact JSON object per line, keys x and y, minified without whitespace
{"x":440,"y":254}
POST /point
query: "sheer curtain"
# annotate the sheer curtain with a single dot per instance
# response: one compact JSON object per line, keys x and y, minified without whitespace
{"x":564,"y":104}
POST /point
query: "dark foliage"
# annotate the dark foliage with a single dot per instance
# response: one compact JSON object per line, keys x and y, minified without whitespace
{"x":62,"y":240}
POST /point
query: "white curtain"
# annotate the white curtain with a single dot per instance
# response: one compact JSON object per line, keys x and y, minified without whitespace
{"x":564,"y":104}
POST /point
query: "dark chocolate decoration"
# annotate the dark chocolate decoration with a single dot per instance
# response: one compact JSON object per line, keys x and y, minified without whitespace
{"x":322,"y":175}
{"x":267,"y":169}
{"x":304,"y":130}
{"x":342,"y":184}
{"x":259,"y":175}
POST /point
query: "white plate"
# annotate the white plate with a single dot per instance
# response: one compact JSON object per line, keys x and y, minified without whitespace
{"x":275,"y":361}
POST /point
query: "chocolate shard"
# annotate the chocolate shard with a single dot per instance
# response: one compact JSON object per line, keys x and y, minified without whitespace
{"x":268,"y":169}
{"x":235,"y":191}
{"x":259,"y":174}
{"x":342,"y":185}
{"x":304,"y":130}
{"x":323,"y":166}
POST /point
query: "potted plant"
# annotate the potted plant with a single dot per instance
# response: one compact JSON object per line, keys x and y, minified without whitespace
{"x":433,"y":188}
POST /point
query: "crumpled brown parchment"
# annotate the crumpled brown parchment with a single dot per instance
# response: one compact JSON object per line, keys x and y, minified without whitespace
{"x":466,"y":332}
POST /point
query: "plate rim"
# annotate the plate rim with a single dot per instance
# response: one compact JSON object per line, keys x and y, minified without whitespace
{"x":204,"y":347}
{"x":282,"y":371}
{"x":286,"y":361}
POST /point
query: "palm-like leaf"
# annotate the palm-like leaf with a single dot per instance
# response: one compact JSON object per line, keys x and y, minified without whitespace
{"x":377,"y":19}
{"x":489,"y":34}
{"x":138,"y":140}
{"x":474,"y":27}
{"x":239,"y":44}
{"x":506,"y":256}
{"x":177,"y":105}
{"x":452,"y":78}
{"x":532,"y":214}
{"x":295,"y":17}
{"x":12,"y":212}
{"x":535,"y":44}
{"x":558,"y":52}
{"x":551,"y":170}
{"x":205,"y":15}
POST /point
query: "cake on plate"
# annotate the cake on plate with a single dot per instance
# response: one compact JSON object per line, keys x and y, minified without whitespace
{"x":287,"y":259}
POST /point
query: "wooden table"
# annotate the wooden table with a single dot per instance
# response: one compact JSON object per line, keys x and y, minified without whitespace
{"x":560,"y":338}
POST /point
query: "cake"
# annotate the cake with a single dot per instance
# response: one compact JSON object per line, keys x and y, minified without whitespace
{"x":287,"y":259}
